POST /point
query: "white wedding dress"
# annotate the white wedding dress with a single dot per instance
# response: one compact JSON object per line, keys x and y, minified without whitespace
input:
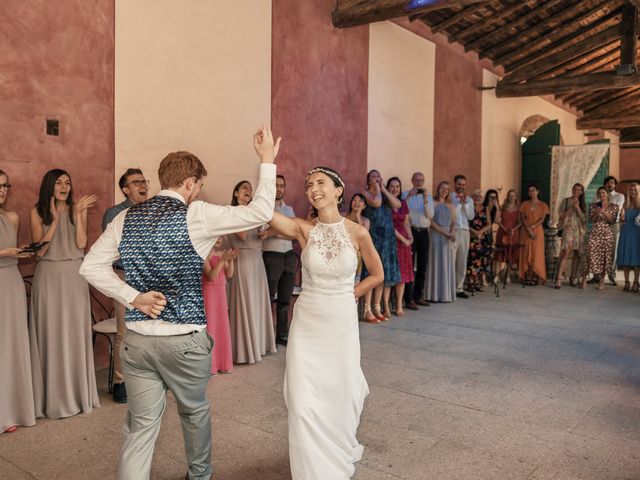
{"x":324,"y":386}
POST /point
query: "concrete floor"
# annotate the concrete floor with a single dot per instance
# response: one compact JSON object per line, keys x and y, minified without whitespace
{"x":537,"y":384}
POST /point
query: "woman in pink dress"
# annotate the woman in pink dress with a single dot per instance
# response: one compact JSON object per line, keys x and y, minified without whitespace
{"x":217,"y":269}
{"x":404,"y":239}
{"x":507,"y":237}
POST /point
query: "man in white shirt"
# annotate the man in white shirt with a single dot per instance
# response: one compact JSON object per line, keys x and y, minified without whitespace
{"x":420,"y":204}
{"x":281,"y":264}
{"x":617,"y":198}
{"x":163,"y":244}
{"x":464,"y":213}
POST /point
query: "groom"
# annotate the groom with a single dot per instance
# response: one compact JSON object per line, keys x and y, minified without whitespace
{"x":163,"y":243}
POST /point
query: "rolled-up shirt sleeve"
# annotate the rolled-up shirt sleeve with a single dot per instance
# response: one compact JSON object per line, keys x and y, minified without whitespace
{"x":97,"y":265}
{"x":207,"y":221}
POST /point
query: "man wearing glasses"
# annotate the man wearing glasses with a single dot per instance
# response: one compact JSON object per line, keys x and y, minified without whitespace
{"x":135,"y":188}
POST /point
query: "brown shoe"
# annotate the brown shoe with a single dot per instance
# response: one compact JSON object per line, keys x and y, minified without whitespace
{"x":423,"y":303}
{"x":411,"y":306}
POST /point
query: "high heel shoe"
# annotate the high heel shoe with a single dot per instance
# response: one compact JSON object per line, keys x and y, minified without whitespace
{"x":635,"y":287}
{"x":627,"y":287}
{"x":369,"y":315}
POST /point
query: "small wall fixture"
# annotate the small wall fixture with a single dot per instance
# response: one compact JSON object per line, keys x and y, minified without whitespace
{"x":53,"y":127}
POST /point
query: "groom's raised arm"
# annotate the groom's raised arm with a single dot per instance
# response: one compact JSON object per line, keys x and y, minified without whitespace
{"x":218,"y":220}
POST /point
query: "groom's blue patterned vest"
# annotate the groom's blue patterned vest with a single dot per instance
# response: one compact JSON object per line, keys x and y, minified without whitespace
{"x":157,"y":254}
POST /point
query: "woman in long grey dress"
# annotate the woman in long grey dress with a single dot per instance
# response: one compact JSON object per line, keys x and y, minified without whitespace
{"x":441,"y":277}
{"x":324,"y":385}
{"x":250,"y":316}
{"x":60,"y":331}
{"x":16,"y":390}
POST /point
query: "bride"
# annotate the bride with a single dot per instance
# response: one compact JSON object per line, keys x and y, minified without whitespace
{"x":324,"y":386}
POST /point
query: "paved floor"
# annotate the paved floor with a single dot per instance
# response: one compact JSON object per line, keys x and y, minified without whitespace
{"x":537,"y":384}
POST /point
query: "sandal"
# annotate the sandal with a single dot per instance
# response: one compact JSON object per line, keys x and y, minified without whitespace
{"x":371,"y":318}
{"x":399,"y":313}
{"x":626,"y":287}
{"x":375,"y":309}
{"x":635,"y":288}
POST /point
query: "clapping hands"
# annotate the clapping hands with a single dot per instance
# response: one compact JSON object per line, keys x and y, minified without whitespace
{"x":230,"y":254}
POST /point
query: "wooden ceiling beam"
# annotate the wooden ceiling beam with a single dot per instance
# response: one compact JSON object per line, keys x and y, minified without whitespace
{"x":513,"y":26}
{"x":613,"y":123}
{"x":559,"y":85}
{"x":602,"y":98}
{"x":563,"y":18}
{"x":351,"y":13}
{"x":479,"y":25}
{"x":629,"y":38}
{"x":617,"y":106}
{"x":557,"y":40}
{"x":461,"y":15}
{"x":542,"y":62}
{"x":629,"y":134}
{"x":579,"y":65}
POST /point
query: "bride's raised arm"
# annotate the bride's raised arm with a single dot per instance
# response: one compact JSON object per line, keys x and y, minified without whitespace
{"x":371,"y":260}
{"x":288,"y":227}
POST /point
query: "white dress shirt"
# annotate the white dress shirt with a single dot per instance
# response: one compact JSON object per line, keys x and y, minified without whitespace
{"x":417,"y":211}
{"x":205,"y":223}
{"x":464,"y":212}
{"x":617,"y":199}
{"x":277,"y":243}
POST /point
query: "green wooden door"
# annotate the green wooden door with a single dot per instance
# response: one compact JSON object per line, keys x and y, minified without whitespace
{"x":597,"y":182}
{"x":536,"y":159}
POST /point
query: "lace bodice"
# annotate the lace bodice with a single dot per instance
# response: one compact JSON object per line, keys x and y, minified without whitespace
{"x":329,"y":261}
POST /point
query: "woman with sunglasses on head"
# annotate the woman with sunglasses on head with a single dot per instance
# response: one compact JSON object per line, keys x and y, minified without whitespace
{"x":324,"y":386}
{"x":60,"y":330}
{"x":16,"y":394}
{"x":573,"y":224}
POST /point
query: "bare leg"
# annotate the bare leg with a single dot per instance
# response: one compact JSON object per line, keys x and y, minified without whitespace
{"x":561,"y":262}
{"x":386,"y":294}
{"x":368,"y":315}
{"x":399,"y":288}
{"x":375,"y":301}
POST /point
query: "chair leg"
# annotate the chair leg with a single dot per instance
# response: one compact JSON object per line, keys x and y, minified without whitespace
{"x":111,"y":367}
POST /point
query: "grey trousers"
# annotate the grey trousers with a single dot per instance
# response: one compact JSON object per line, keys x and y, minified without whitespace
{"x":152,"y":365}
{"x":460,"y":253}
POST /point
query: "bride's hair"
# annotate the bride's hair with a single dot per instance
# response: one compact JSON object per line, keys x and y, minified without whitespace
{"x":335,"y":178}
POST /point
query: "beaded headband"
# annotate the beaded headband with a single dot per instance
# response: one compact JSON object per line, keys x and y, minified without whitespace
{"x":326,"y":172}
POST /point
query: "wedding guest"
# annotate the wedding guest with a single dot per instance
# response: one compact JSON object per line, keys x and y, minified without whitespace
{"x":356,"y":207}
{"x":134,"y":187}
{"x":404,"y":240}
{"x":218,"y":268}
{"x":16,"y":393}
{"x":60,"y":328}
{"x":379,"y":205}
{"x":250,"y":315}
{"x":629,"y":244}
{"x":600,"y":247}
{"x":573,"y":225}
{"x":281,"y":264}
{"x":532,"y":269}
{"x":464,"y":213}
{"x":617,"y":199}
{"x":441,"y":273}
{"x":481,"y":244}
{"x":420,"y":204}
{"x":507,"y":237}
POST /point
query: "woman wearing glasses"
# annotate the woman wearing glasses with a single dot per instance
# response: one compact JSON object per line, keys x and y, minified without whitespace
{"x":60,"y":330}
{"x":16,"y":394}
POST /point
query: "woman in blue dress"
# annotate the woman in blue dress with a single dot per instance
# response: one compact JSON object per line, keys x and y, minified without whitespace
{"x":379,"y":209}
{"x":629,"y":244}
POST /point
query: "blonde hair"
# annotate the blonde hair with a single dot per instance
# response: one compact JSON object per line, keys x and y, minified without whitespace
{"x":176,"y":167}
{"x":628,"y":203}
{"x":506,"y":199}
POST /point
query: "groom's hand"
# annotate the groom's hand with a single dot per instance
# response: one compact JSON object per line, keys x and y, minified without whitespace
{"x":150,"y":303}
{"x":265,"y":146}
